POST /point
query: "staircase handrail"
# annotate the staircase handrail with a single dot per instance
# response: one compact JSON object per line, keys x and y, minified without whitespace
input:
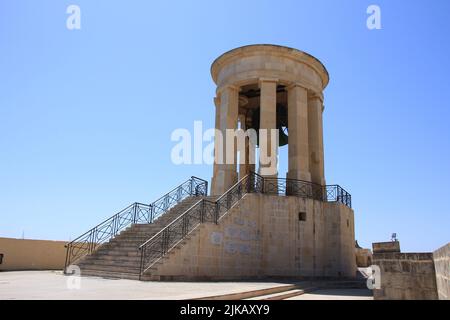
{"x":133,"y":214}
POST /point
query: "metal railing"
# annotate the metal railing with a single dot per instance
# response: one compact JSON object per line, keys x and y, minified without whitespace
{"x":136,"y":213}
{"x":207,"y":211}
{"x":335,"y":193}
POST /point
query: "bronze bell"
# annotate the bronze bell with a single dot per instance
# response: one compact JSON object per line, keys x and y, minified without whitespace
{"x":281,"y":123}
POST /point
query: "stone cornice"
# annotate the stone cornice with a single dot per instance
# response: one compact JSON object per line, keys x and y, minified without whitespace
{"x":227,"y":86}
{"x":268,"y":80}
{"x":296,"y":84}
{"x":275,"y":50}
{"x":315,"y":95}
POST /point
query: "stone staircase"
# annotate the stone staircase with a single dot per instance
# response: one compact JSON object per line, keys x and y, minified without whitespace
{"x":289,"y":290}
{"x":120,"y":257}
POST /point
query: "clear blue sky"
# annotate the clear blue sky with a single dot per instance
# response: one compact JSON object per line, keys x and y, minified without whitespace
{"x":86,"y":115}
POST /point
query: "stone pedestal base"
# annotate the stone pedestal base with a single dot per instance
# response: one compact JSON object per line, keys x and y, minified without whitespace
{"x":268,"y":236}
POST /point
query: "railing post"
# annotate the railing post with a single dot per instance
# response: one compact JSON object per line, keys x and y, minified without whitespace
{"x":240,"y":191}
{"x":135,"y":207}
{"x":114,"y":224}
{"x":163,"y":242}
{"x":202,"y":212}
{"x":167,"y":241}
{"x":152,"y":214}
{"x":185,"y":226}
{"x":216,"y":213}
{"x":166,"y":203}
{"x":67,"y":258}
{"x":141,"y":267}
{"x":91,"y":240}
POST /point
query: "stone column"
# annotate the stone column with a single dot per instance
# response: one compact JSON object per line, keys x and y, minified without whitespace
{"x":298,"y":166}
{"x":244,"y":157}
{"x":225,"y":173}
{"x":217,"y":143}
{"x":251,"y":167}
{"x":315,"y":125}
{"x":268,"y":112}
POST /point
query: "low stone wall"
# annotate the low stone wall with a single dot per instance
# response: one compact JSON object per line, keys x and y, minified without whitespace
{"x":441,"y":259}
{"x":390,"y":246}
{"x":405,"y":276}
{"x":363,"y":257}
{"x":20,"y":254}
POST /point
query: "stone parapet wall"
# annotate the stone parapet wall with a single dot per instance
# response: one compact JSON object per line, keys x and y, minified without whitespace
{"x":24,"y":254}
{"x":363,"y":257}
{"x":391,"y":246}
{"x":441,"y":259}
{"x":406,"y":276}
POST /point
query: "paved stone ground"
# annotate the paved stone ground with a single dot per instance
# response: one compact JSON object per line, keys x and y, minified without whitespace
{"x":336,"y":294}
{"x":53,"y":285}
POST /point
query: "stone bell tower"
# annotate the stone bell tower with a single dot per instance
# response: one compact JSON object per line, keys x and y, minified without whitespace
{"x":262,"y":226}
{"x":270,"y":87}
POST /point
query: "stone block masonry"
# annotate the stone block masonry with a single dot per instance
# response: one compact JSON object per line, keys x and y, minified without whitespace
{"x":267,"y":236}
{"x":405,"y":276}
{"x":441,"y":259}
{"x":382,"y":247}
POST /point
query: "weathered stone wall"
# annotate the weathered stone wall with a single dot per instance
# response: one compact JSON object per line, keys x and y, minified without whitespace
{"x":381,"y":247}
{"x":262,"y":236}
{"x":363,"y":257}
{"x":441,"y":259}
{"x":20,"y":254}
{"x":338,"y":240}
{"x":405,"y":276}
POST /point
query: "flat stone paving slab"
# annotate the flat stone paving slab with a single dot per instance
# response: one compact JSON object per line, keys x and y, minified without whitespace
{"x":53,"y":285}
{"x":336,"y":294}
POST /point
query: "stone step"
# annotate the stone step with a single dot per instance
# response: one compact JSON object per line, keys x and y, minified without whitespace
{"x":343,"y":284}
{"x":122,"y":246}
{"x":111,"y":247}
{"x":131,"y":240}
{"x":120,"y":257}
{"x":254,"y":294}
{"x":117,"y":254}
{"x":110,"y":263}
{"x":136,"y":237}
{"x":125,"y":242}
{"x":112,"y":268}
{"x":149,"y":229}
{"x":128,"y":241}
{"x":283,"y":295}
{"x":110,"y":274}
{"x":148,"y":226}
